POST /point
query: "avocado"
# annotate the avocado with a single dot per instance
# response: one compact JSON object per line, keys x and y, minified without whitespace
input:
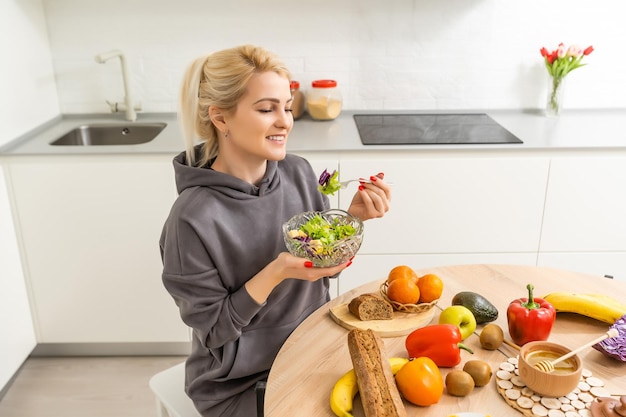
{"x":482,"y":309}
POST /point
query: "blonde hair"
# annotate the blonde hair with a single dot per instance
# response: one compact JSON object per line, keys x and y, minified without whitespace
{"x":219,"y":79}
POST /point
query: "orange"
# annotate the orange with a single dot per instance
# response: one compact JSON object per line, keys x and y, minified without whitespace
{"x":402,"y":271}
{"x":431,"y":288}
{"x":404,"y":291}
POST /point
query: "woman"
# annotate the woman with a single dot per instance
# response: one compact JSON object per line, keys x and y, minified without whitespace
{"x":225,"y":262}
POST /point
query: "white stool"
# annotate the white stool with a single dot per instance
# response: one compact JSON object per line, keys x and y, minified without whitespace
{"x":169,"y":388}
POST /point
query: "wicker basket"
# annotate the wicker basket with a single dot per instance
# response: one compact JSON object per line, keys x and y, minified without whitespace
{"x":406,"y":308}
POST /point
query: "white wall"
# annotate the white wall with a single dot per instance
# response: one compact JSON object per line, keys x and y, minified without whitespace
{"x":28,"y":99}
{"x":393,"y":54}
{"x":29,"y":95}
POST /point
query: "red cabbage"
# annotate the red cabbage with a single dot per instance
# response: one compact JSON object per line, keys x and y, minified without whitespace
{"x":615,"y":347}
{"x":323,"y":180}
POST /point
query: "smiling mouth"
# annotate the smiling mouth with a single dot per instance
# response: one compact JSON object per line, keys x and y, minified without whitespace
{"x":276,"y":138}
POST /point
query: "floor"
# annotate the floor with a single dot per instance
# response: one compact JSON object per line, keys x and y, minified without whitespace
{"x":85,"y":386}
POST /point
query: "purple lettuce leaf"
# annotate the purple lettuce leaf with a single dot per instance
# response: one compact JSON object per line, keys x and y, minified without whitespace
{"x":615,"y":347}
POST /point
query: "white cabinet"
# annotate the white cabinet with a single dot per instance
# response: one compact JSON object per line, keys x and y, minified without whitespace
{"x":454,"y":205}
{"x":90,"y":228}
{"x":16,"y":324}
{"x":584,"y":226}
{"x":585,"y":205}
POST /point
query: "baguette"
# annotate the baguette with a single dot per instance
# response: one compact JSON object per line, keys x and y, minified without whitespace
{"x":377,"y":387}
{"x":370,"y":307}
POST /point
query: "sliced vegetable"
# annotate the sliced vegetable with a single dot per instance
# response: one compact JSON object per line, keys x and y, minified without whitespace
{"x":328,"y":183}
{"x":615,"y":347}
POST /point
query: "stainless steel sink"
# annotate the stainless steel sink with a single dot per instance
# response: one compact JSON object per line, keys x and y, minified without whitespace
{"x":110,"y":134}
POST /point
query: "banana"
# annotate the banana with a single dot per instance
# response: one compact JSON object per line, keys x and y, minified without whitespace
{"x":346,"y":387}
{"x":342,"y":396}
{"x":597,"y":306}
{"x":397,"y":363}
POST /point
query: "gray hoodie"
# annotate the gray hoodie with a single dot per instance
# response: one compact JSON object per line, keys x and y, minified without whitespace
{"x":221,"y":231}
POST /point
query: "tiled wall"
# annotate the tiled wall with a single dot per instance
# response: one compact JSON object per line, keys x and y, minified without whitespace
{"x":392,"y":54}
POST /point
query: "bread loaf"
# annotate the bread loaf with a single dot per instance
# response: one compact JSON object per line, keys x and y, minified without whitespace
{"x":371,"y":307}
{"x":377,"y":387}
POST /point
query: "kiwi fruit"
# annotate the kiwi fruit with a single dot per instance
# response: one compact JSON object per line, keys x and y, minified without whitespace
{"x":459,"y":383}
{"x":491,"y":337}
{"x":480,"y":372}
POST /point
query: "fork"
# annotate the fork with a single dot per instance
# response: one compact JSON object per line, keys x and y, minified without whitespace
{"x":344,"y":184}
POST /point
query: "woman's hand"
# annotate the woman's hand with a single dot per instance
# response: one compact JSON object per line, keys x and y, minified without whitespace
{"x":372,"y":199}
{"x":300,"y":268}
{"x":287,"y":266}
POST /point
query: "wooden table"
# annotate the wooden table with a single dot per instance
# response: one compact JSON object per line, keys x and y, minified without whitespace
{"x":316,"y":354}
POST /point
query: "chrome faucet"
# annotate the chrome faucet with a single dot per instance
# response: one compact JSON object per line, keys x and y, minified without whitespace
{"x":128,"y":106}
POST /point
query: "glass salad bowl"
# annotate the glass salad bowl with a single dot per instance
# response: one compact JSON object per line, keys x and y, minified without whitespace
{"x":326,"y":238}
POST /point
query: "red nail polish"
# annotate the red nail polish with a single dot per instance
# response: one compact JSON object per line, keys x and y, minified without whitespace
{"x":349,"y":263}
{"x":308,"y":264}
{"x":361,"y":188}
{"x":373,"y":178}
{"x":381,"y":175}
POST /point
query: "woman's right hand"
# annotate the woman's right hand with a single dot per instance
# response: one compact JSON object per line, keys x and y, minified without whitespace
{"x":283,"y":267}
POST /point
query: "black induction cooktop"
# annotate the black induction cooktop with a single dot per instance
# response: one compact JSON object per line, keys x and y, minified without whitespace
{"x":431,"y":129}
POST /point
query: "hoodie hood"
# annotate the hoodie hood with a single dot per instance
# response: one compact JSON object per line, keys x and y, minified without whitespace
{"x":189,"y":176}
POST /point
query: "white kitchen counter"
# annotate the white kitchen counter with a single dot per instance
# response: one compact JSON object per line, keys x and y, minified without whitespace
{"x":573,"y":130}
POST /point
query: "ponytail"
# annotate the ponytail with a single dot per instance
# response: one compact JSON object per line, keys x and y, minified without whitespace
{"x":189,"y":107}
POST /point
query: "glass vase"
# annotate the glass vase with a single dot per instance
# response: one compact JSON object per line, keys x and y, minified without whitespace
{"x":556,"y":94}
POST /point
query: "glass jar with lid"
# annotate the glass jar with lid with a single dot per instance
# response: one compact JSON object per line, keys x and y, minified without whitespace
{"x":297,"y":105}
{"x":324,"y":100}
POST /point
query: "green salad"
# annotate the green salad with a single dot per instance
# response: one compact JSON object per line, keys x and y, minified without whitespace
{"x":328,"y":183}
{"x":320,"y":234}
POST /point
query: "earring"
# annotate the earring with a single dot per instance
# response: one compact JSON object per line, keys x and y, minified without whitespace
{"x":226,"y":134}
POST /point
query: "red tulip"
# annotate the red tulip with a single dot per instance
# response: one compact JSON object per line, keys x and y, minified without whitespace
{"x":552,"y":57}
{"x":562,"y":60}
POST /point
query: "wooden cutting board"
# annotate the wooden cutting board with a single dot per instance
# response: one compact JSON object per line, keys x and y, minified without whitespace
{"x":401,"y":325}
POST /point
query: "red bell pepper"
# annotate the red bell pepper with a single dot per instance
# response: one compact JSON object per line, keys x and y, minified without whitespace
{"x":530,"y":318}
{"x":439,"y":342}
